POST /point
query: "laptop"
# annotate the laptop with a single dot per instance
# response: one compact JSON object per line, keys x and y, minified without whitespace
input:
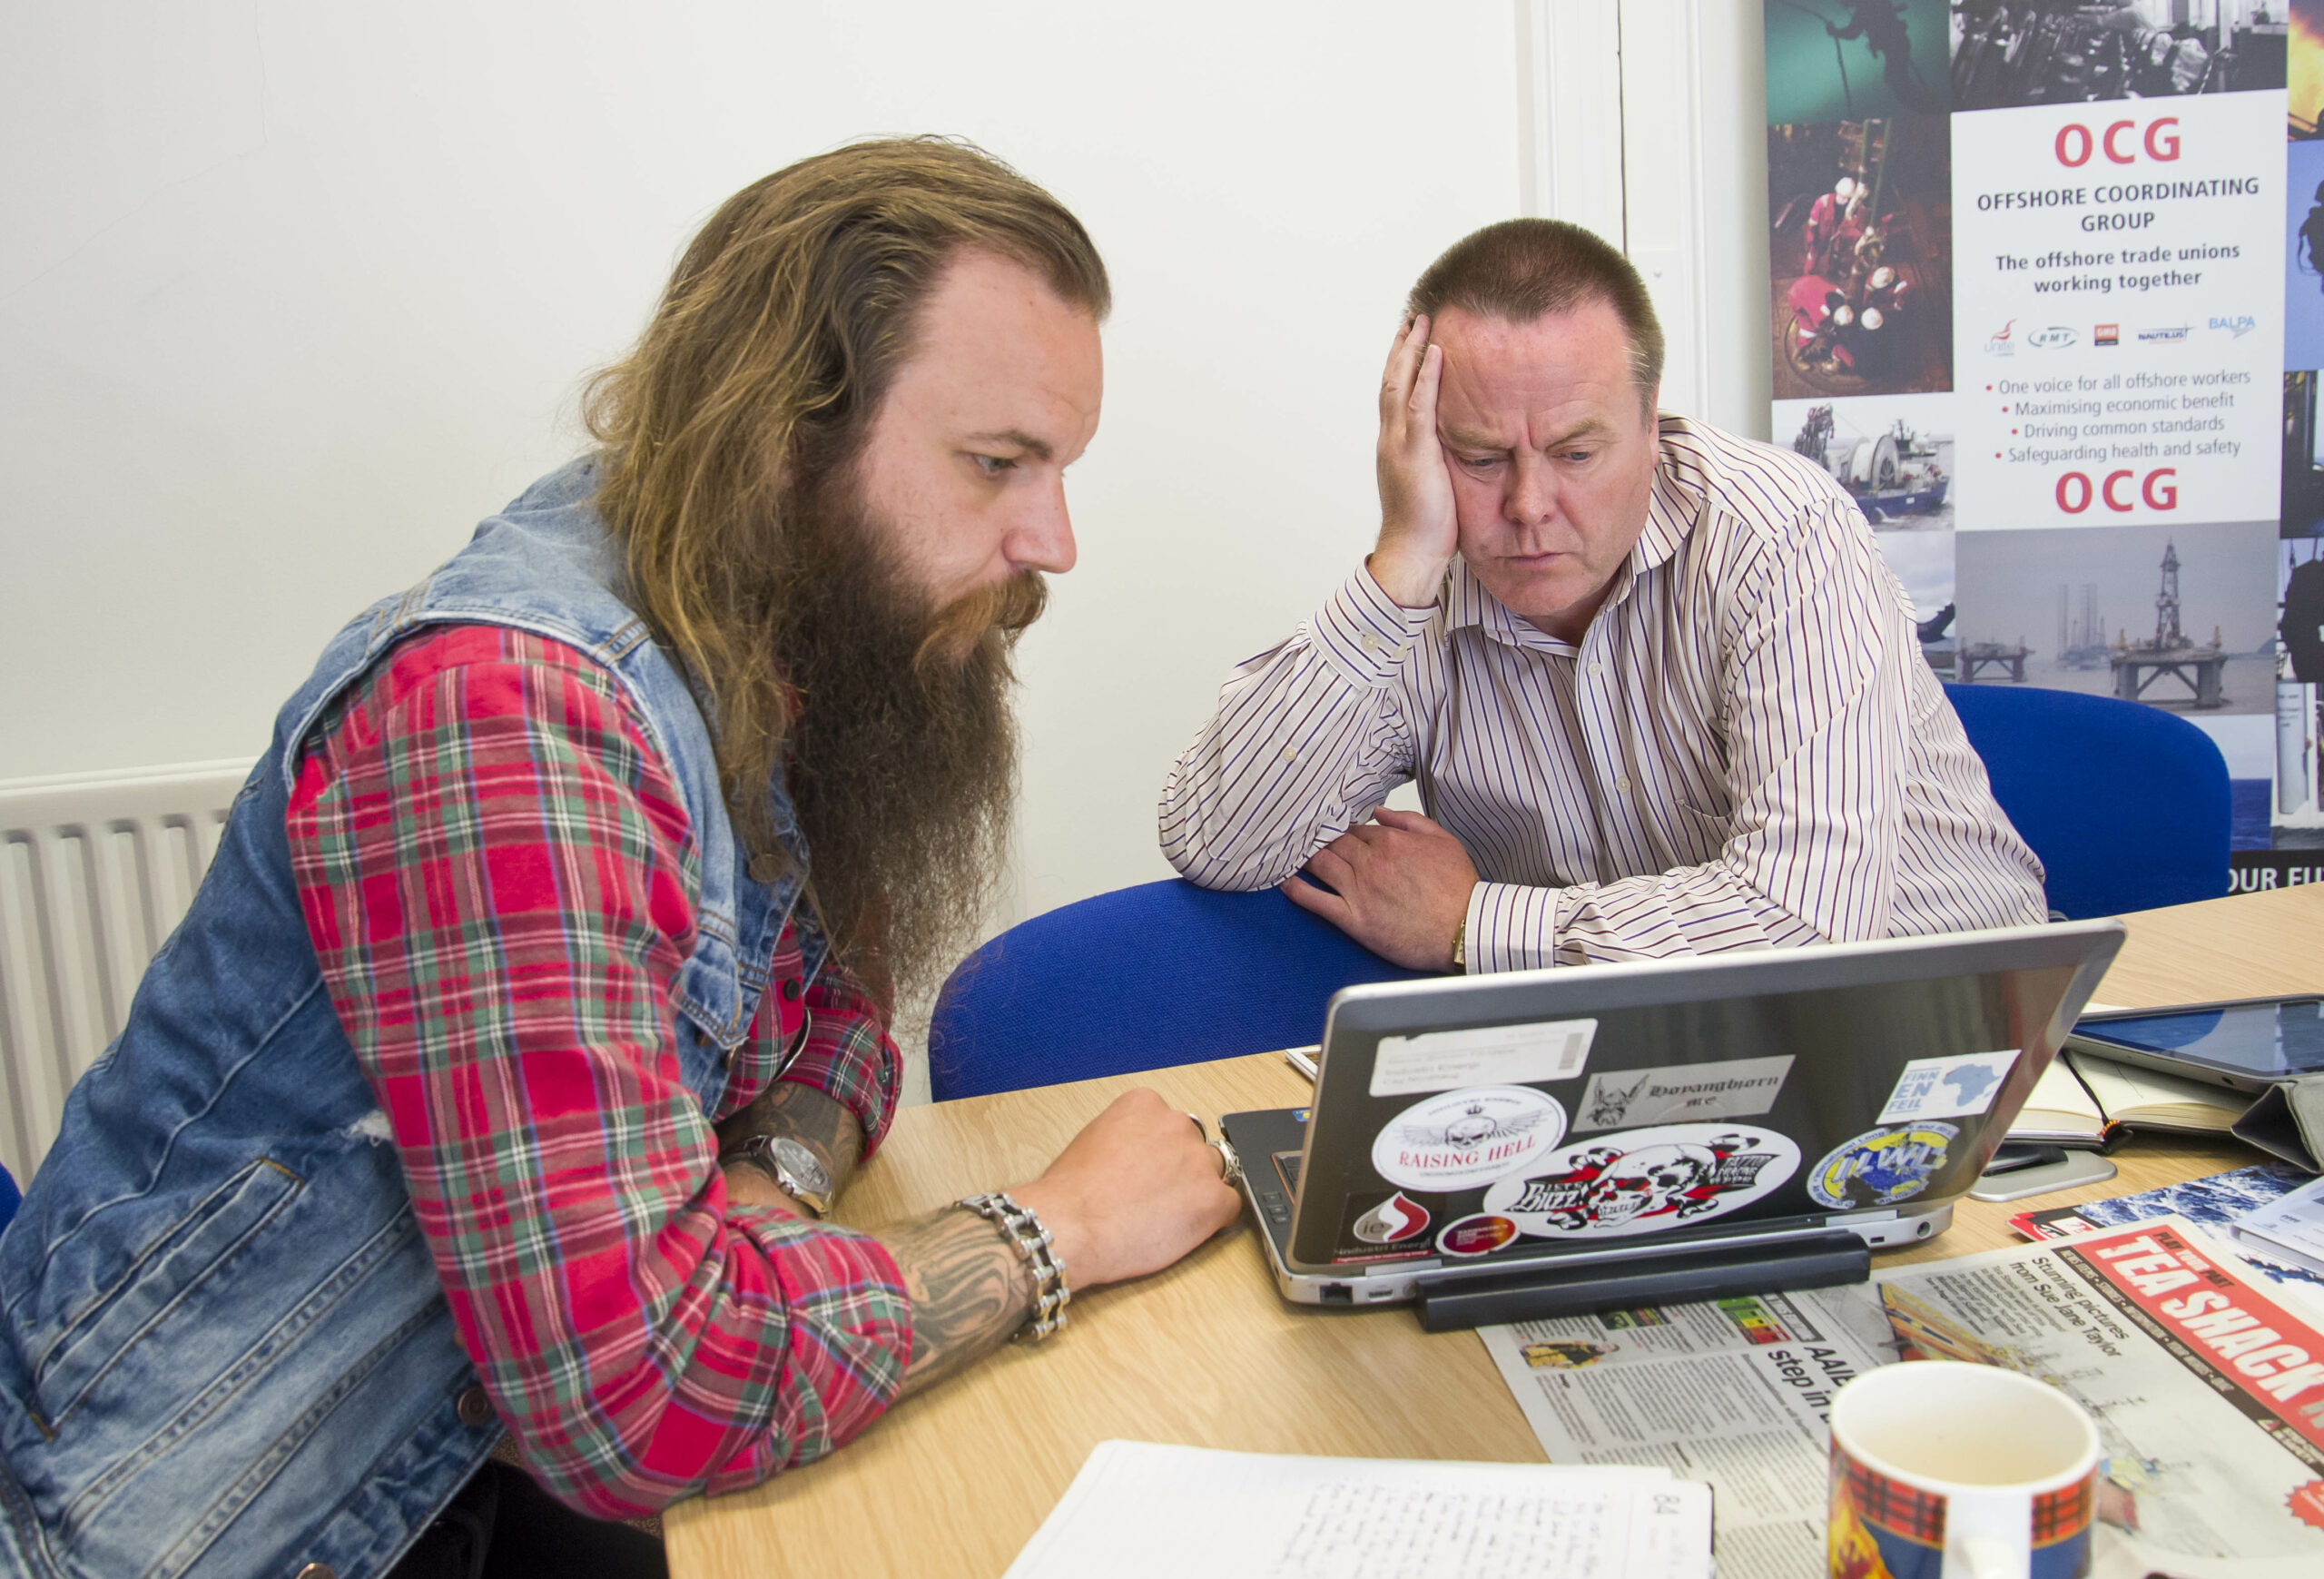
{"x":1548,"y":1143}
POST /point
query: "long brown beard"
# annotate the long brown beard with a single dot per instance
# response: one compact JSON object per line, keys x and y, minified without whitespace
{"x":903,"y":755}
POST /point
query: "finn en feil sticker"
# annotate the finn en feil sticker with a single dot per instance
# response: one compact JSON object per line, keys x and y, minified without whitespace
{"x":1464,"y":1139}
{"x":1439,"y":1061}
{"x":1883,"y":1167}
{"x":1629,"y":1098}
{"x":1644,"y":1180}
{"x":1948,"y":1088}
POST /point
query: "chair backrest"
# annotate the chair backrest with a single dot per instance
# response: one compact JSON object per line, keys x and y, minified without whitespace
{"x":1141,"y":978}
{"x":2126,"y":805}
{"x":8,"y":1197}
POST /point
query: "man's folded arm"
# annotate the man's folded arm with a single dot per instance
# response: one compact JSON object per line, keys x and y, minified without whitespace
{"x":492,"y":863}
{"x":1308,"y":740}
{"x":1815,"y":715}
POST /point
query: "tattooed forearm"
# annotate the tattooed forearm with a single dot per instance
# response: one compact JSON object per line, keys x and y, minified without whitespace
{"x":827,"y":1127}
{"x":969,"y":1291}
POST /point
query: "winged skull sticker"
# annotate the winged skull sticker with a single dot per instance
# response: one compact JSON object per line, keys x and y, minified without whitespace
{"x":1459,"y":1139}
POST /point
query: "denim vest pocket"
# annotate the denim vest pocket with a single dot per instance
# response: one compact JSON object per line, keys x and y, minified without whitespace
{"x":190,"y":1252}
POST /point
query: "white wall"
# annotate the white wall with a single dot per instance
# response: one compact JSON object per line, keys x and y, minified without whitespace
{"x":292,"y":294}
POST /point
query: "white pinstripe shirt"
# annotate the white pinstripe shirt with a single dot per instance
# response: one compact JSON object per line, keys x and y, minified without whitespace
{"x":1746,"y":748}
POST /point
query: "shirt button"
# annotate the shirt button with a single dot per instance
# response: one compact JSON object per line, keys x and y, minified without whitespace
{"x":790,"y":989}
{"x":1596,"y":670}
{"x":1622,"y":784}
{"x":474,"y":1409}
{"x":1290,"y":754}
{"x":318,"y":1571}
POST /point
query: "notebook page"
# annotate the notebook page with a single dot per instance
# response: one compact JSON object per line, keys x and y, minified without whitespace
{"x":1142,"y":1511}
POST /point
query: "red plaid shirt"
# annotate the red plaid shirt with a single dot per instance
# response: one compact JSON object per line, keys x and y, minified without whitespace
{"x":499,"y":878}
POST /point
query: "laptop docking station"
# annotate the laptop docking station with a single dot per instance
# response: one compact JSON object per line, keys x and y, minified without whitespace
{"x":1538,"y":1292}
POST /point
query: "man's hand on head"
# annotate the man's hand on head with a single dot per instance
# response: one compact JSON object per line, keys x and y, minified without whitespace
{"x":1419,"y":532}
{"x":1400,"y":885}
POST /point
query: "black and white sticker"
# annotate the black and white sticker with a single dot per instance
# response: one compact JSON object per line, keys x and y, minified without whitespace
{"x":1948,"y":1088}
{"x":1627,"y":1099}
{"x":1642,"y":1180}
{"x":1464,"y":1139}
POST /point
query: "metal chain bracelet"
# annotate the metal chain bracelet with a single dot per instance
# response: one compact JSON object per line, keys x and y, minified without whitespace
{"x":1030,"y":1240}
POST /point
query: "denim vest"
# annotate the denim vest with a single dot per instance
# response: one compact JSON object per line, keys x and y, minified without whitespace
{"x":223,"y":1348}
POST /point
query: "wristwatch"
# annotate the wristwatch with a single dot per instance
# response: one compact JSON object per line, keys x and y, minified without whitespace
{"x":794,"y":1168}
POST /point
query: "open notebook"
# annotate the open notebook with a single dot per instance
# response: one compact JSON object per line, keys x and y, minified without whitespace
{"x":2079,"y":1099}
{"x":1139,"y":1510}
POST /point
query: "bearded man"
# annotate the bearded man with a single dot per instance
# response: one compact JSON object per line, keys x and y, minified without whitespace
{"x":534,"y":1006}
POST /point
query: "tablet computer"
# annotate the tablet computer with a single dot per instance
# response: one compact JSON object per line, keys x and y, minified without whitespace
{"x":2247,"y":1044}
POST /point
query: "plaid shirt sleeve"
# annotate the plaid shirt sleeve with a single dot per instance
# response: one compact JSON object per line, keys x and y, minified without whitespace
{"x":496,"y":873}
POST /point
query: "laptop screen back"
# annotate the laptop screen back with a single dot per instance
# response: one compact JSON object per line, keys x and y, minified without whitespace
{"x":1498,"y":1119}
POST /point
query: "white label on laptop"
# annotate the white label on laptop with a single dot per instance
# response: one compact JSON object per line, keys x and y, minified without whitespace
{"x":1465,"y":1139}
{"x":1625,"y":1099}
{"x":1440,"y":1060}
{"x":1948,"y":1088}
{"x":1643,"y":1181}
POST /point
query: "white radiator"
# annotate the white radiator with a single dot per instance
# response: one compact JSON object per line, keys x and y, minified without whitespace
{"x":95,"y":872}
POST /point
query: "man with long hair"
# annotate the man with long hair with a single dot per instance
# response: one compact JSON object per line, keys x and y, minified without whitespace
{"x":535,"y":1005}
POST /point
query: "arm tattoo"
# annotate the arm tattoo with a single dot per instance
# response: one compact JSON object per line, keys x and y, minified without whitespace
{"x":969,"y":1291}
{"x":824,"y":1126}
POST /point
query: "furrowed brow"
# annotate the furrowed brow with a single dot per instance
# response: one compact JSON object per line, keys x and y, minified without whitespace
{"x":1039,"y":447}
{"x":1461,"y":438}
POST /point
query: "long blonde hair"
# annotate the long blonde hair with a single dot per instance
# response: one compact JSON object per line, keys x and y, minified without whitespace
{"x":757,"y":378}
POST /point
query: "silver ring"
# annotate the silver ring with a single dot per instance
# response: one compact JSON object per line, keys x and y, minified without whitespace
{"x":1201,"y":1128}
{"x":1230,"y":1166}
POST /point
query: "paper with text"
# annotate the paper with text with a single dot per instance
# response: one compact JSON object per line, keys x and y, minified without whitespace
{"x":1139,"y":1510}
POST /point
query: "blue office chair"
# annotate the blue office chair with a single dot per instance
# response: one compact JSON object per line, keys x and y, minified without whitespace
{"x":2127,"y":806}
{"x":1141,"y":978}
{"x":8,"y":1197}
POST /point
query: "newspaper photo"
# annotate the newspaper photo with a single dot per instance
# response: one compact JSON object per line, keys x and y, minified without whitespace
{"x":2208,"y":1389}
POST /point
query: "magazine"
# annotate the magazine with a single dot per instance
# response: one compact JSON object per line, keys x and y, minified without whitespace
{"x":2208,"y":1390}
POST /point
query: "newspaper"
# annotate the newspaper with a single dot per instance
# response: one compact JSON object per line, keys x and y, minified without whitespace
{"x":2208,"y":1390}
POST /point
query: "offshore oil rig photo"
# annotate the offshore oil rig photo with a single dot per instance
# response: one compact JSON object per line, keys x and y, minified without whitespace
{"x":2170,"y":652}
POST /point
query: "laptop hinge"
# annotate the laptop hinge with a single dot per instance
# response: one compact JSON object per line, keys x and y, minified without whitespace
{"x":1537,"y":1292}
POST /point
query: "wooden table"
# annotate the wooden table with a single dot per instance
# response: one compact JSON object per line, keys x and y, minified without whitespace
{"x":955,"y":1480}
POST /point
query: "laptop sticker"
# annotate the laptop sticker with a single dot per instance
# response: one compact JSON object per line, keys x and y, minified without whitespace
{"x":1643,"y":1181}
{"x":1465,"y":1139}
{"x":1478,"y":1235}
{"x":1627,"y":1099}
{"x":1439,"y":1061}
{"x":1883,"y":1167}
{"x":1948,"y":1088}
{"x":1392,"y":1222}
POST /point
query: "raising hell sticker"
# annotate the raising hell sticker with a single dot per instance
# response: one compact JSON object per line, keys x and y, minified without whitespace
{"x":1465,"y":1139}
{"x":1642,"y":1180}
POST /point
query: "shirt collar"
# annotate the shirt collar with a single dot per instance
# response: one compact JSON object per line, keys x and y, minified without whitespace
{"x":1675,"y":503}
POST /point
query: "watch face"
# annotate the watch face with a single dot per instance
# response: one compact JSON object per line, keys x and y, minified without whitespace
{"x":801,"y":1164}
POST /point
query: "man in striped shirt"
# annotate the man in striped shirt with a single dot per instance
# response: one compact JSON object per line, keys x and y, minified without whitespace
{"x":1659,"y":690}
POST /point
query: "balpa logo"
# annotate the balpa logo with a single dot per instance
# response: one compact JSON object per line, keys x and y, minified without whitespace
{"x":2163,"y":336}
{"x":1998,"y":343}
{"x":2054,"y":338}
{"x":2235,"y":327}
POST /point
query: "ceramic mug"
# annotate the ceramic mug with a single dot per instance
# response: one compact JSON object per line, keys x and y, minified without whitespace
{"x":1943,"y":1470}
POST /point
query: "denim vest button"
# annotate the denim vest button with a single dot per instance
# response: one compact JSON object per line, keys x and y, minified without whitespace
{"x":318,"y":1571}
{"x":474,"y":1408}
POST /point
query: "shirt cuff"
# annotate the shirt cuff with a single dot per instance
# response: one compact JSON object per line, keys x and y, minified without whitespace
{"x":1511,"y":927}
{"x":849,"y":1056}
{"x":1364,"y":633}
